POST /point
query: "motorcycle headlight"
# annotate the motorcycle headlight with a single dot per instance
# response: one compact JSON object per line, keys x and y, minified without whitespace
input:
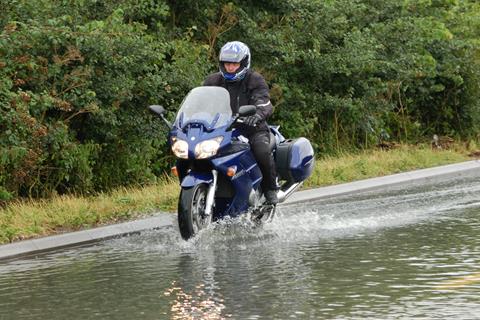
{"x":207,"y":148}
{"x":180,"y":149}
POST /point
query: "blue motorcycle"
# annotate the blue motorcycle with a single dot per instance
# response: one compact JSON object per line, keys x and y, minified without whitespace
{"x":218,"y":173}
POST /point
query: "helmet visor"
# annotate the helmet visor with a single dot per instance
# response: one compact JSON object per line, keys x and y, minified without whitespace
{"x":231,"y":56}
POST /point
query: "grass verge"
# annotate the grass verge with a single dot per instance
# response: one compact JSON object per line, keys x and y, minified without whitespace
{"x":33,"y":218}
{"x":375,"y":163}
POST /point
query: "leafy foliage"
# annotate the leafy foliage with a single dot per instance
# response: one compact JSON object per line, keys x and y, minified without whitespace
{"x":76,"y":77}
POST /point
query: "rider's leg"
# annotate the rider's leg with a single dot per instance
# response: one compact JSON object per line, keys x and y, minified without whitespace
{"x":260,"y":144}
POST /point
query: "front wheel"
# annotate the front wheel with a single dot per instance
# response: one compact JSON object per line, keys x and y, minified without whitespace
{"x":191,"y":210}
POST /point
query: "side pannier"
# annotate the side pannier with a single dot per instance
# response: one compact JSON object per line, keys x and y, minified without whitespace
{"x":294,"y":159}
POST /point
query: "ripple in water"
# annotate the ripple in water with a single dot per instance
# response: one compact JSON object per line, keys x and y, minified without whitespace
{"x":403,"y":253}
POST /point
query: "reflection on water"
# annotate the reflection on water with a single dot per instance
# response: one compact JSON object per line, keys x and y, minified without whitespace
{"x":199,"y":305}
{"x":397,"y":254}
{"x":460,"y":282}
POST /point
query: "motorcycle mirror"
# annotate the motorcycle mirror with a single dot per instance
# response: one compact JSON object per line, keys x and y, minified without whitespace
{"x":247,"y":110}
{"x":157,"y":109}
{"x":160,"y":111}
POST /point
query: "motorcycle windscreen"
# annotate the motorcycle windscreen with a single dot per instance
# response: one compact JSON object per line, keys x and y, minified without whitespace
{"x":209,"y":106}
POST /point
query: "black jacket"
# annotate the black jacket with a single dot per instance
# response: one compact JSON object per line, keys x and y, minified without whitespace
{"x":252,"y":89}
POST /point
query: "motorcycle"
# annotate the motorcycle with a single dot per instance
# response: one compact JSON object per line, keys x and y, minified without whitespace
{"x":218,"y":174}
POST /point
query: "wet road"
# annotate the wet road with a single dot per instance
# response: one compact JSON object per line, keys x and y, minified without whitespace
{"x":396,"y":254}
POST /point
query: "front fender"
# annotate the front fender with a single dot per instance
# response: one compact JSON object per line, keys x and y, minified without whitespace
{"x":194,"y":178}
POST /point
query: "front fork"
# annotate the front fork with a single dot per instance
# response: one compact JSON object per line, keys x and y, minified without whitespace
{"x":211,"y":193}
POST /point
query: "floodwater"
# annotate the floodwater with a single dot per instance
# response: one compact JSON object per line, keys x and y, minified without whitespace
{"x":398,"y":254}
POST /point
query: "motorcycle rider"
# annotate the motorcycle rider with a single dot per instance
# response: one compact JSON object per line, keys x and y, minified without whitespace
{"x":247,"y":87}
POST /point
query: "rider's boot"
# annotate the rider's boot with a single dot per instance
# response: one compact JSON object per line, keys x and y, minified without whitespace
{"x":271,"y":197}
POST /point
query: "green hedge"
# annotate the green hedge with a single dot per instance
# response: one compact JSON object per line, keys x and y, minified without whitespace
{"x":76,"y":77}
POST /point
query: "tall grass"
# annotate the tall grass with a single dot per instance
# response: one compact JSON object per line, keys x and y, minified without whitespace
{"x":33,"y":218}
{"x":373,"y":163}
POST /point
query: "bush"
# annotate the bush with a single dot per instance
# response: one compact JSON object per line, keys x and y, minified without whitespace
{"x":74,"y":98}
{"x":75,"y":79}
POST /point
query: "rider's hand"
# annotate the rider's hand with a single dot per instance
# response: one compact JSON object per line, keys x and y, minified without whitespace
{"x":252,"y":120}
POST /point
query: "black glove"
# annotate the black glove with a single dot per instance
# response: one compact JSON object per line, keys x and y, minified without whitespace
{"x":252,"y":120}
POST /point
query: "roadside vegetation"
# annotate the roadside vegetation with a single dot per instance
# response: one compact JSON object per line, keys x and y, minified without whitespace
{"x":348,"y":167}
{"x":24,"y":219}
{"x":350,"y":75}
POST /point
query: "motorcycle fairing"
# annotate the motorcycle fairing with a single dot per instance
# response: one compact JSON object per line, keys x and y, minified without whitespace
{"x":248,"y":176}
{"x":193,"y":178}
